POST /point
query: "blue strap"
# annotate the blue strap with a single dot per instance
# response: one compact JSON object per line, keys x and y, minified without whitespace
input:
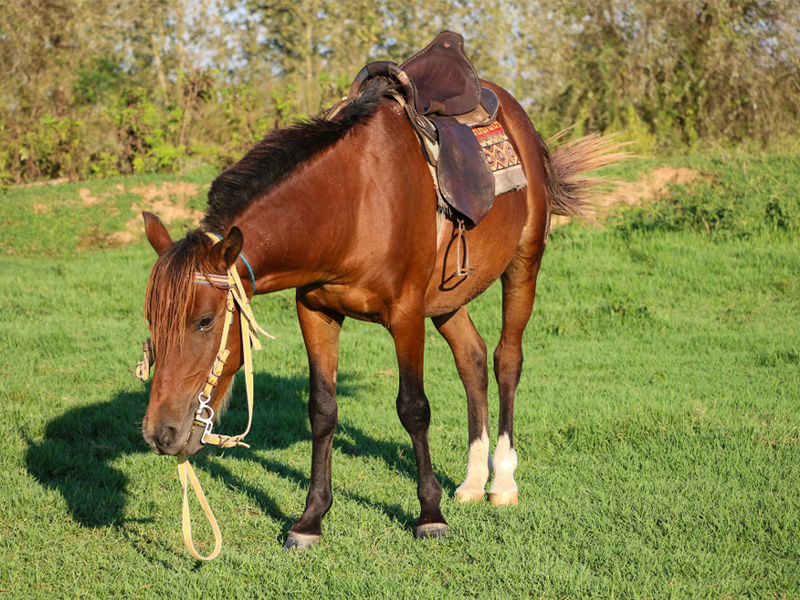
{"x":247,"y":264}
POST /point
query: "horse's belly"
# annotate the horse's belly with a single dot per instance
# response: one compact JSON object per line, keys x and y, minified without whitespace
{"x":489,"y":248}
{"x":356,"y":301}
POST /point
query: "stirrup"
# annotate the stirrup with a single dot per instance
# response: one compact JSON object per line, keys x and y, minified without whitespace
{"x":462,"y":270}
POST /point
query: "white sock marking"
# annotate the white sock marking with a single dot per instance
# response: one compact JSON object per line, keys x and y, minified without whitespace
{"x":479,"y":466}
{"x":505,"y":463}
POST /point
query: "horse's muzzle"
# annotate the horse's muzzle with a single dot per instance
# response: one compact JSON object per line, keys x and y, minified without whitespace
{"x":172,"y":438}
{"x":167,"y":439}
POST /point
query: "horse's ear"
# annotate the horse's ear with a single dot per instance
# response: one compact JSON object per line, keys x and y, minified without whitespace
{"x":156,"y":233}
{"x":227,"y":250}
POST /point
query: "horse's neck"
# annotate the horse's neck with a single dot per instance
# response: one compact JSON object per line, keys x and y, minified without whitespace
{"x":287,"y":233}
{"x":315,"y":225}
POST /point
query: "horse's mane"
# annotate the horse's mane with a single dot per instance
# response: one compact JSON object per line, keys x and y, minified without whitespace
{"x":280,"y":152}
{"x":170,"y":291}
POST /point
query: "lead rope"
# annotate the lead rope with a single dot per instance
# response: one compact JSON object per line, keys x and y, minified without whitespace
{"x":187,"y":474}
{"x":250,"y":329}
{"x":185,"y":471}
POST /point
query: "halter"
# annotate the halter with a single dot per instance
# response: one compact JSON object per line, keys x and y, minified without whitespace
{"x":204,"y":416}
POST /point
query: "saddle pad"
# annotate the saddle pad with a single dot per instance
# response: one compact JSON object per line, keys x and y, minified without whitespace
{"x":502,"y":158}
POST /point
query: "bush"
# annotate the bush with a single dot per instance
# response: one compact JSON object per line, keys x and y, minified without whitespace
{"x":730,"y":202}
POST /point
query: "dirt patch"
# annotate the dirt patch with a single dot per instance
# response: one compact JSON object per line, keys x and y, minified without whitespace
{"x":87,"y":199}
{"x":649,"y":187}
{"x":656,"y":184}
{"x":167,"y":200}
{"x":120,"y":238}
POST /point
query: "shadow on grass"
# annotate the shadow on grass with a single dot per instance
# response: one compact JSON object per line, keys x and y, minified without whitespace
{"x":79,"y":446}
{"x":76,"y":451}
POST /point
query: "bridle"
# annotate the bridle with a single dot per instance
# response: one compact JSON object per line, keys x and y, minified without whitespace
{"x":236,"y":298}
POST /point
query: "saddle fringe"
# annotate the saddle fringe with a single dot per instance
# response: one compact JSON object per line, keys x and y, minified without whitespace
{"x":573,"y":194}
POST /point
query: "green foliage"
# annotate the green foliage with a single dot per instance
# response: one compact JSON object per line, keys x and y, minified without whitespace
{"x":688,"y":72}
{"x":697,"y":209}
{"x":777,"y":217}
{"x":97,"y":79}
{"x":164,"y":89}
{"x":147,"y":133}
{"x":730,"y":201}
{"x":103,"y":165}
{"x":52,"y":149}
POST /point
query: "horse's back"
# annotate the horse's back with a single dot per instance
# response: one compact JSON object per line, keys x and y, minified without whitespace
{"x":392,"y":247}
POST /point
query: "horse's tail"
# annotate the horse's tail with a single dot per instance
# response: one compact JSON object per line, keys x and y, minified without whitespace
{"x":572,"y":193}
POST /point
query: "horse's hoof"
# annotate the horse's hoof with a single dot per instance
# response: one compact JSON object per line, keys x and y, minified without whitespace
{"x":504,"y":498}
{"x":469,"y":496}
{"x":300,"y":541}
{"x":431,"y":531}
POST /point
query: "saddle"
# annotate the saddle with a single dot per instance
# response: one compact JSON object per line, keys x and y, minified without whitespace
{"x":443,"y":98}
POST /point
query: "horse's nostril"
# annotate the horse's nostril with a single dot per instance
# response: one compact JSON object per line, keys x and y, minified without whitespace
{"x":166,"y":437}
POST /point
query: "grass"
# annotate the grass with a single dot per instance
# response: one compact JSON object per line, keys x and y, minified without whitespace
{"x":657,"y":420}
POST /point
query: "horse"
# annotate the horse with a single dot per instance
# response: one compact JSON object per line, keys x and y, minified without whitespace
{"x":345,"y":212}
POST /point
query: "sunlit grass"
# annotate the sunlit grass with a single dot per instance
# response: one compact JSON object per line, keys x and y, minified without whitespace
{"x":657,"y":426}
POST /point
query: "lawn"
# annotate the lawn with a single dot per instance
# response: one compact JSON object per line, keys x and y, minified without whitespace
{"x":657,"y":421}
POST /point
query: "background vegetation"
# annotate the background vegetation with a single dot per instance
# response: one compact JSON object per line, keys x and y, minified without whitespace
{"x":105,"y":87}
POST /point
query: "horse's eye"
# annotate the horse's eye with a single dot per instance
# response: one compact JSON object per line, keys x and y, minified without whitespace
{"x":205,"y":323}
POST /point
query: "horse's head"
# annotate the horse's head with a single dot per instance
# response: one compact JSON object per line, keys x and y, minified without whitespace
{"x":186,"y":321}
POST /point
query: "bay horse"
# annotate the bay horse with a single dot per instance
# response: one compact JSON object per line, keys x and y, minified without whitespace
{"x":345,"y":212}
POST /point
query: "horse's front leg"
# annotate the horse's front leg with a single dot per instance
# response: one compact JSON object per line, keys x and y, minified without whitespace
{"x":321,"y":335}
{"x":415,"y":415}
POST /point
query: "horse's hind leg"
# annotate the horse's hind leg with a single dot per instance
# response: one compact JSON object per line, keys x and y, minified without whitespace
{"x":469,"y":352}
{"x":519,"y":289}
{"x":321,"y":336}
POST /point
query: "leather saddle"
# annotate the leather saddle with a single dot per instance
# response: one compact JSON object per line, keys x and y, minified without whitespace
{"x":443,"y":99}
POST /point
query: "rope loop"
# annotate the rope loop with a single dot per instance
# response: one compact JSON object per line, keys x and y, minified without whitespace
{"x":187,"y":475}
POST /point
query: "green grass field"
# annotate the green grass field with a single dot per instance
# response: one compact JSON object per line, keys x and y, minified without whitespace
{"x":657,"y":422}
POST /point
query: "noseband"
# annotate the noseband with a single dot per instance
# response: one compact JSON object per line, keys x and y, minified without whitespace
{"x":204,"y":416}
